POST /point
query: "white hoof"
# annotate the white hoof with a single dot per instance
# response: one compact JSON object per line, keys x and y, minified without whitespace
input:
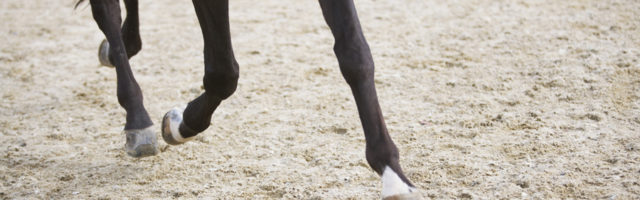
{"x":170,"y":127}
{"x":394,"y":188}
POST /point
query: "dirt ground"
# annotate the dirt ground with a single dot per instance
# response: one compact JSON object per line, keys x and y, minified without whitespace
{"x":485,"y":99}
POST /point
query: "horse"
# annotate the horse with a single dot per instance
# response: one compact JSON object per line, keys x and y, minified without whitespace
{"x":179,"y":125}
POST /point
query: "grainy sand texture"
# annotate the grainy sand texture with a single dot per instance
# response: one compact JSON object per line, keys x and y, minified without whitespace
{"x":486,"y":99}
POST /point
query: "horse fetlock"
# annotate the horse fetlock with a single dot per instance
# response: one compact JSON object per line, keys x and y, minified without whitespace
{"x":381,"y":156}
{"x":221,"y":84}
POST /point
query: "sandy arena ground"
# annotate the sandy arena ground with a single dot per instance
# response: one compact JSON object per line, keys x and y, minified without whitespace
{"x":486,"y":99}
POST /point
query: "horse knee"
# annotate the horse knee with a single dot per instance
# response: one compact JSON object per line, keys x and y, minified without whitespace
{"x":356,"y":63}
{"x":221,"y":83}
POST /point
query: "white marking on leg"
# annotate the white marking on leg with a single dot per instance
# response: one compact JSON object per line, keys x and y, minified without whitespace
{"x":174,"y":125}
{"x":393,"y":185}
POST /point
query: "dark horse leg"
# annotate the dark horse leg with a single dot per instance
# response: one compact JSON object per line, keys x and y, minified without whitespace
{"x":141,"y":140}
{"x":220,"y":78}
{"x":130,"y":35}
{"x":356,"y":65}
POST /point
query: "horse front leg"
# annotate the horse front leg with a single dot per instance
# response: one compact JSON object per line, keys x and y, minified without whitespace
{"x":220,"y":78}
{"x":356,"y":65}
{"x":141,"y":141}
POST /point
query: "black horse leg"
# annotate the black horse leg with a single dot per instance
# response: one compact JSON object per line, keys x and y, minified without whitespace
{"x":220,"y":78}
{"x":356,"y":65}
{"x":130,"y":35}
{"x":131,"y":29}
{"x":140,"y":140}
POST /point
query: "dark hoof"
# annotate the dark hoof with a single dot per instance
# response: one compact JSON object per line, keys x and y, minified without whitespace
{"x":170,"y":124}
{"x":103,"y":54}
{"x":141,"y":142}
{"x":409,"y":196}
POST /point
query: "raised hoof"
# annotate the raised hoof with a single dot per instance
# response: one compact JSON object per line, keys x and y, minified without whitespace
{"x":170,"y":127}
{"x":409,"y":196}
{"x":103,"y":54}
{"x":141,"y":142}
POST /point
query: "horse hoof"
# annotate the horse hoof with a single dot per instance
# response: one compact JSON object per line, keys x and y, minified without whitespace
{"x":409,"y":196}
{"x":395,"y":188}
{"x":170,"y":127}
{"x":103,"y":54}
{"x":141,"y":142}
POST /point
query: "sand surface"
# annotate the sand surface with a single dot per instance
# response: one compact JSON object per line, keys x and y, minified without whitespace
{"x":485,"y":100}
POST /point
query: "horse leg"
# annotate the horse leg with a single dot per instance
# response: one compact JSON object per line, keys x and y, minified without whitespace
{"x":220,"y":78}
{"x":141,"y":140}
{"x":130,"y":35}
{"x":356,"y":65}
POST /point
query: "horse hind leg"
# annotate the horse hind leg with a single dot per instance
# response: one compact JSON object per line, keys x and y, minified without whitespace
{"x":141,"y":141}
